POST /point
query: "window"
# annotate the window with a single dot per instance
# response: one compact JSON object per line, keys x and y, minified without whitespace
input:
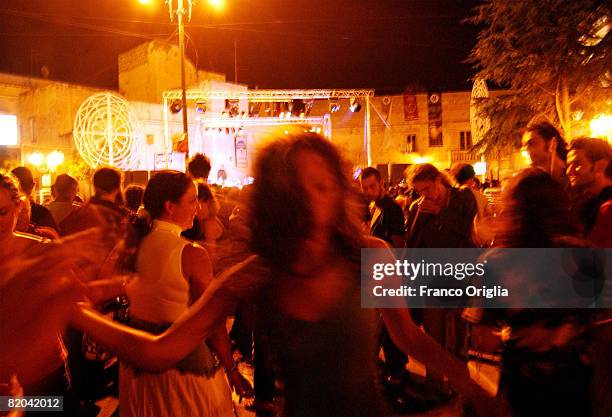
{"x":435,"y":134}
{"x":8,"y":130}
{"x":465,"y":140}
{"x":411,"y":145}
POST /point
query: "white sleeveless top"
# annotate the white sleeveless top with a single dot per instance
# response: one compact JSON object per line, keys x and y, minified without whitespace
{"x":160,"y":293}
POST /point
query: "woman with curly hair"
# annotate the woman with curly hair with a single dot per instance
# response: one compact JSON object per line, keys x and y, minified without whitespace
{"x":304,"y":277}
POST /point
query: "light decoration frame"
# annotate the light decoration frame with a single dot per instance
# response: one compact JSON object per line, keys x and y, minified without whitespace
{"x":106,"y":132}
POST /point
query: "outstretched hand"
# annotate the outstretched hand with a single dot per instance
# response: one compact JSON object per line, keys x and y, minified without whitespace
{"x":39,"y":287}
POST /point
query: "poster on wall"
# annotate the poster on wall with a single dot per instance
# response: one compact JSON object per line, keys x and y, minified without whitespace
{"x":434,"y":115}
{"x":411,"y":111}
{"x":240,"y":146}
{"x":173,"y":160}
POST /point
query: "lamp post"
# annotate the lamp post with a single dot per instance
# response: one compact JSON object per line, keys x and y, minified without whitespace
{"x":181,"y":11}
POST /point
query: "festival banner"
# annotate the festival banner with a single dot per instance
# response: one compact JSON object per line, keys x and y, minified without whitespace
{"x":434,"y":114}
{"x":411,"y":111}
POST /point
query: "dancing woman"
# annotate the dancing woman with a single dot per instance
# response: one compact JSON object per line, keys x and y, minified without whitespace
{"x":172,"y":273}
{"x":305,"y":276}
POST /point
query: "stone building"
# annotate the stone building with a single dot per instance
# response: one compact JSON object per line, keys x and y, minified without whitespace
{"x":400,"y":125}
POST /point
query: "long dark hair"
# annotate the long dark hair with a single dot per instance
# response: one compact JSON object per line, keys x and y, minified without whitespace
{"x":164,"y":186}
{"x":280,"y":215}
{"x":549,"y":132}
{"x":535,"y":212}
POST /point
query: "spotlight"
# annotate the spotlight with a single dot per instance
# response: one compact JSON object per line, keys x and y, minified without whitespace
{"x":298,"y":108}
{"x":355,"y":104}
{"x":284,"y":110}
{"x":254,"y":109}
{"x":334,"y":105}
{"x":276,"y":109}
{"x":200,"y":107}
{"x":308,"y":105}
{"x":176,"y":106}
{"x":231,"y":107}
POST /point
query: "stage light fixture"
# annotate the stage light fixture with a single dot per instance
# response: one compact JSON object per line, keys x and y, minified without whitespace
{"x":298,"y":108}
{"x":200,"y":107}
{"x":276,"y":109}
{"x":231,"y":107}
{"x":334,"y":105}
{"x":308,"y":105}
{"x":284,"y":110}
{"x":355,"y":105}
{"x":176,"y":106}
{"x":254,"y":109}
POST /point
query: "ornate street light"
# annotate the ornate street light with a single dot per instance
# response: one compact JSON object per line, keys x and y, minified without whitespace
{"x":183,"y":7}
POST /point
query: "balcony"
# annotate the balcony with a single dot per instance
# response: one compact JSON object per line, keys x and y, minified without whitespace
{"x":464,"y":156}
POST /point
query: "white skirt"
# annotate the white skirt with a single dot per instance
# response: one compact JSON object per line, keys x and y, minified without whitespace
{"x":173,"y":394}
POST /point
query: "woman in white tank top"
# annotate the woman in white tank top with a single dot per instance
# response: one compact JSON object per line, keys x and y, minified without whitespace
{"x":172,"y":274}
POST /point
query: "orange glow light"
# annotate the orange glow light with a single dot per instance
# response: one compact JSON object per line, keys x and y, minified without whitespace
{"x":217,"y":4}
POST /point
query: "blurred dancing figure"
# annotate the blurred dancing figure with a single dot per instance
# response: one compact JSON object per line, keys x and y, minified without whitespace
{"x":305,"y":276}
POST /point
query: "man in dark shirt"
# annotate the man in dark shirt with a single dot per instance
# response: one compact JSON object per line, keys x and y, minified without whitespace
{"x":443,"y":216}
{"x":105,"y":208}
{"x":386,"y":223}
{"x":590,"y":172}
{"x":547,"y":150}
{"x":386,"y":216}
{"x":40,"y":216}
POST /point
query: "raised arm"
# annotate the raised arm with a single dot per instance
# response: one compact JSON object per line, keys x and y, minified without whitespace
{"x":157,"y":353}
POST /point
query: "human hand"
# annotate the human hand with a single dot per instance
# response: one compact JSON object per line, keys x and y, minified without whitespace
{"x":39,"y":287}
{"x":429,"y":206}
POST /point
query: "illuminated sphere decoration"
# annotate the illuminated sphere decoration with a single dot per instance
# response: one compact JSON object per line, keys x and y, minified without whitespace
{"x":105,"y":132}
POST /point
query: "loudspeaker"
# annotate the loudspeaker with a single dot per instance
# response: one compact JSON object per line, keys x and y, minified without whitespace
{"x":384,"y":172}
{"x":397,"y":172}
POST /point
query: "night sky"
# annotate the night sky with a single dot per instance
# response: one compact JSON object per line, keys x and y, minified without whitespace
{"x":384,"y":44}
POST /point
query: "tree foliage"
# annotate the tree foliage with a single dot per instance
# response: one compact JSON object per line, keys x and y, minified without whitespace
{"x":551,"y":55}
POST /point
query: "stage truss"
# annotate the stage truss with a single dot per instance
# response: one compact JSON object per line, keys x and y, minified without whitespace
{"x":239,"y":123}
{"x":268,"y":96}
{"x":271,"y":96}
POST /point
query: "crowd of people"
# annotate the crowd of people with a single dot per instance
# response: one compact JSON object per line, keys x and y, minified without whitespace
{"x":150,"y":275}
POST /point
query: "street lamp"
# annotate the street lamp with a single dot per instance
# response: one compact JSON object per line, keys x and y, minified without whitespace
{"x":180,"y":12}
{"x":183,"y":9}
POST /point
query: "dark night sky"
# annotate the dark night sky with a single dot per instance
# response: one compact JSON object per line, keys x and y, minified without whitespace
{"x":385,"y":44}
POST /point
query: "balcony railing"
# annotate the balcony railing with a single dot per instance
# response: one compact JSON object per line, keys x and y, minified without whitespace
{"x":464,"y":156}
